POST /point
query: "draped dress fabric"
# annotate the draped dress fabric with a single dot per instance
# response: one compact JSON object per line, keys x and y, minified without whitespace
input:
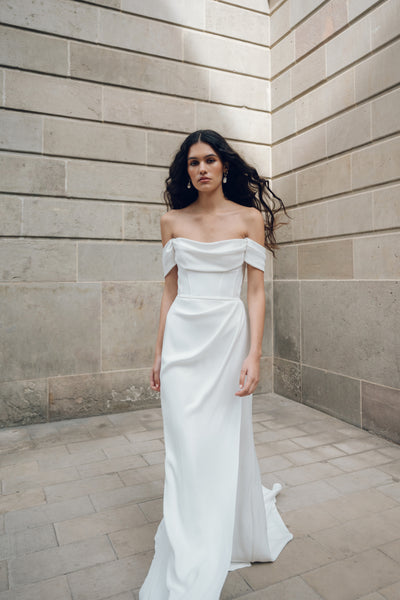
{"x":217,"y":515}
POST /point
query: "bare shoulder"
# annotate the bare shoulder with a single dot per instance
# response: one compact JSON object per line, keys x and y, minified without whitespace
{"x":167,"y":221}
{"x":255,"y":224}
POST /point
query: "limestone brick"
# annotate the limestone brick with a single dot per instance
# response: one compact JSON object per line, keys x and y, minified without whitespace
{"x":386,"y":207}
{"x":285,"y":188}
{"x":326,"y":260}
{"x":66,"y":137}
{"x":223,"y":53}
{"x":128,"y":69}
{"x":376,"y":164}
{"x":189,"y":13}
{"x":320,"y":26}
{"x":377,"y":257}
{"x":281,"y":90}
{"x":21,"y":173}
{"x":148,"y":110}
{"x":287,"y":378}
{"x":122,"y":30}
{"x":52,"y":95}
{"x":114,"y":181}
{"x":281,"y":158}
{"x":237,"y":123}
{"x":287,"y":320}
{"x":23,"y":402}
{"x":349,"y":130}
{"x":377,"y":73}
{"x":325,"y":179}
{"x":10,"y":215}
{"x":385,"y":23}
{"x":309,"y":71}
{"x":352,"y":214}
{"x":232,"y":88}
{"x":357,"y":7}
{"x":55,"y":217}
{"x":20,"y":131}
{"x":300,"y":10}
{"x":53,"y":328}
{"x":310,"y":222}
{"x":283,"y":122}
{"x":282,"y":54}
{"x":385,"y":114}
{"x":349,"y":46}
{"x":232,"y":21}
{"x":142,"y":222}
{"x":380,"y":410}
{"x":280,"y":22}
{"x":309,"y":146}
{"x":257,"y":154}
{"x":34,"y":260}
{"x":28,"y":50}
{"x":285,"y":264}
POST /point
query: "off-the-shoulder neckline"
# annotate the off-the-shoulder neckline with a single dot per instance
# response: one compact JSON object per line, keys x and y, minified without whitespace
{"x":216,"y":241}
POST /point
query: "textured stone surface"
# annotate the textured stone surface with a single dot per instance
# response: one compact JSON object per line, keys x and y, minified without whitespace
{"x":31,"y":260}
{"x":287,"y":379}
{"x":381,"y":410}
{"x":100,"y":393}
{"x":53,"y":329}
{"x":287,"y":320}
{"x":327,"y":260}
{"x":23,"y":402}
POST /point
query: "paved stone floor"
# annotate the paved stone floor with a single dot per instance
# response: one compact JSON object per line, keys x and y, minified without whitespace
{"x":81,"y":500}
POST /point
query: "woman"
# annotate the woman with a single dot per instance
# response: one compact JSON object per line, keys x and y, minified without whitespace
{"x":217,"y":515}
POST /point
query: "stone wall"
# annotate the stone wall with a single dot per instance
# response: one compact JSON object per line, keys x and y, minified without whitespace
{"x":95,"y":98}
{"x":335,"y":159}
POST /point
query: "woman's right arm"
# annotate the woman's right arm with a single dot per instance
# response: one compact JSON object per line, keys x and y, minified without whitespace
{"x":169,"y":294}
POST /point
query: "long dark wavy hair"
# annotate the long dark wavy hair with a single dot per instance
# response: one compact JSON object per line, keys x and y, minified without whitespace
{"x":244,"y":185}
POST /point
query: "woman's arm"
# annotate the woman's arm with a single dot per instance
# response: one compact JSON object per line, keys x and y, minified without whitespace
{"x":169,"y":293}
{"x":250,"y":372}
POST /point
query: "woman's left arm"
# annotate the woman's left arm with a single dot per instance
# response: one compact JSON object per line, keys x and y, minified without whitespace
{"x":250,"y":372}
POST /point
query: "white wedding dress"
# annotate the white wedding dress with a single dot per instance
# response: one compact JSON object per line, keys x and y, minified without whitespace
{"x":217,"y":515}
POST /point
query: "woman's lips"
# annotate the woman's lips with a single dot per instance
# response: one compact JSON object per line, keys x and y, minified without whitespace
{"x":204,"y":179}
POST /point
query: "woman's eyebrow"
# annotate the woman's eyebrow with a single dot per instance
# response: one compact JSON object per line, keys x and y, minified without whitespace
{"x":195,"y":157}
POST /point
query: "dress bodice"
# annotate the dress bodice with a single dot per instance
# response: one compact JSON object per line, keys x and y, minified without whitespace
{"x":212,"y":269}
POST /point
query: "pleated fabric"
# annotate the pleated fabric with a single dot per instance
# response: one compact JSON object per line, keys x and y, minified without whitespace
{"x":217,"y":516}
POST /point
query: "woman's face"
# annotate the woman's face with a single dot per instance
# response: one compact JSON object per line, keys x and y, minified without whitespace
{"x":205,"y":168}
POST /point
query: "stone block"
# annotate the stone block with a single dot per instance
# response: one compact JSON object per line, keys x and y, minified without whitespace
{"x":232,"y":88}
{"x":224,"y":53}
{"x":283,"y":123}
{"x":329,"y":98}
{"x":31,"y":174}
{"x":287,"y":320}
{"x":33,"y":51}
{"x":53,"y":329}
{"x":309,"y":71}
{"x":287,"y":379}
{"x":142,"y":222}
{"x":82,"y":487}
{"x":114,"y":181}
{"x":377,"y":257}
{"x":147,"y":36}
{"x":284,"y":227}
{"x":234,"y":22}
{"x":52,"y":95}
{"x":352,"y":214}
{"x":129,"y":327}
{"x":23,"y":402}
{"x":357,"y":7}
{"x":19,"y":131}
{"x":376,"y":163}
{"x":350,"y":130}
{"x":189,"y":13}
{"x":162,"y":147}
{"x":10,"y":215}
{"x":385,"y":23}
{"x":49,"y":589}
{"x":127,"y":69}
{"x":111,"y":261}
{"x":310,"y":222}
{"x":280,"y":22}
{"x":326,"y":179}
{"x":69,"y":20}
{"x":100,"y":393}
{"x":59,"y":218}
{"x":130,"y":107}
{"x":326,"y":260}
{"x":285,"y":264}
{"x":332,"y":393}
{"x":377,"y":73}
{"x":350,"y":327}
{"x":134,"y":540}
{"x":258,"y":5}
{"x":348,"y":47}
{"x":385,"y":114}
{"x":282,"y":54}
{"x":381,"y":410}
{"x":300,"y":10}
{"x":285,"y":188}
{"x":309,"y":146}
{"x":60,"y":560}
{"x":265,"y":385}
{"x":281,"y":89}
{"x":258,"y":155}
{"x":237,"y":123}
{"x":281,"y":158}
{"x":386,"y":207}
{"x":323,"y":24}
{"x":32,"y":260}
{"x":99,"y":141}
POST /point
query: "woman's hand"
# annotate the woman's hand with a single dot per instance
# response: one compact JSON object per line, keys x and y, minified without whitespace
{"x":251,"y":369}
{"x":155,"y":374}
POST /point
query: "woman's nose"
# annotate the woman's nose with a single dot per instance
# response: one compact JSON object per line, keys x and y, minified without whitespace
{"x":202,"y":167}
